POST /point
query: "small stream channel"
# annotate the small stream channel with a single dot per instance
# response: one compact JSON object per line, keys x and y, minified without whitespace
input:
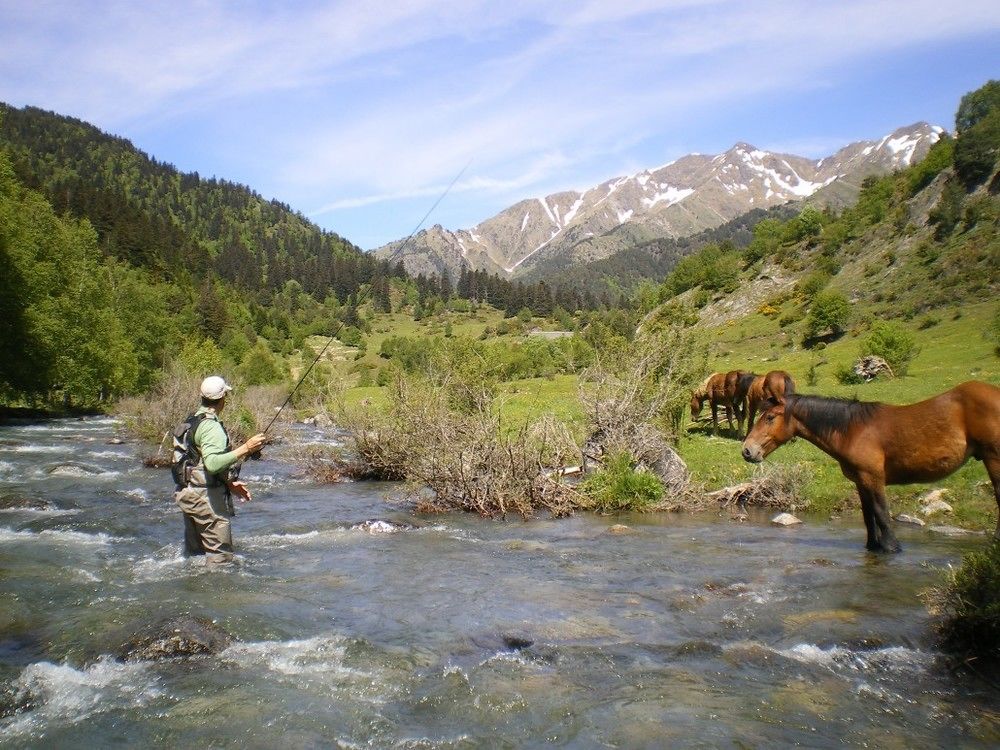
{"x":688,"y":631}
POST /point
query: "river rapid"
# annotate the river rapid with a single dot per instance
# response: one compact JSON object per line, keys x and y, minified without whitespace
{"x":686,"y":631}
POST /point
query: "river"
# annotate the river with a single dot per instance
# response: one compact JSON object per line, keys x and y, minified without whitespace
{"x":686,"y":631}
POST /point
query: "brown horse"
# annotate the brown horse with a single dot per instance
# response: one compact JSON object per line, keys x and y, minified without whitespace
{"x":774,"y":385}
{"x":720,"y":389}
{"x":878,"y":444}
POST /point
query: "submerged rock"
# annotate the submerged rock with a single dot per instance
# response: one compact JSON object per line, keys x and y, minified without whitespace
{"x":73,"y":469}
{"x":13,"y":502}
{"x":378,"y":526}
{"x":175,"y":637}
{"x":619,"y":528}
{"x":785,"y":519}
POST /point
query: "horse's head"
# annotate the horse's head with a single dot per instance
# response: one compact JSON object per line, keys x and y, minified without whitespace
{"x":773,"y":429}
{"x":697,"y":399}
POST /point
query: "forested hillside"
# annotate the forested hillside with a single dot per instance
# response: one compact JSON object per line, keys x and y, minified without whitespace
{"x":117,"y":266}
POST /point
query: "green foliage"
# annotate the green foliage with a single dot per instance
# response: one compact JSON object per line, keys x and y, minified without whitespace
{"x":969,"y":604}
{"x":846,"y":376}
{"x":201,"y":356}
{"x":766,"y":238}
{"x":891,"y":342}
{"x":61,"y":333}
{"x":976,"y":105}
{"x":259,"y":366}
{"x":618,"y":487}
{"x":830,"y":311}
{"x":713,"y":268}
{"x":977,"y":150}
{"x":948,"y":211}
{"x":938,"y":159}
{"x":812,"y":284}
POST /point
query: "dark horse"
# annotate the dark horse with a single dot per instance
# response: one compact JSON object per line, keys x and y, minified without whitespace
{"x":879,"y":444}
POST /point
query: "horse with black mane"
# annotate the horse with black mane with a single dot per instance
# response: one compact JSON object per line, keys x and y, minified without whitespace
{"x":878,"y":444}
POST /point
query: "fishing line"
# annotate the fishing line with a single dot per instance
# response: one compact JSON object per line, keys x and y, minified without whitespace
{"x":359,"y":300}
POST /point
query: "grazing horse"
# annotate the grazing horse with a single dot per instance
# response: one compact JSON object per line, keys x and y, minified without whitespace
{"x":722,"y":389}
{"x":774,"y":385}
{"x":878,"y":444}
{"x":713,"y":390}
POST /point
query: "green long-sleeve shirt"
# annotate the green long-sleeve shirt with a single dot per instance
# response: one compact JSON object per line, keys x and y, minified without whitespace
{"x":210,"y":439}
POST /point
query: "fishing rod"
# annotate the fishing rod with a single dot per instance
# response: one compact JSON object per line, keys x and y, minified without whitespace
{"x":356,"y":303}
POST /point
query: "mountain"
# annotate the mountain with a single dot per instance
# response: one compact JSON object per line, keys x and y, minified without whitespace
{"x":679,"y":199}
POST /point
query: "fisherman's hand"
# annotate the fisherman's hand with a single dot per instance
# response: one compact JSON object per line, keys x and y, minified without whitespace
{"x":252,"y":445}
{"x":240,"y":490}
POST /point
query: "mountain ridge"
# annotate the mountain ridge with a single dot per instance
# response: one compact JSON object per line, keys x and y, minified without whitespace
{"x":681,"y":198}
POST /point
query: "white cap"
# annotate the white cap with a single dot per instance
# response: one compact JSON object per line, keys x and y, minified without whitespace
{"x":213,"y":387}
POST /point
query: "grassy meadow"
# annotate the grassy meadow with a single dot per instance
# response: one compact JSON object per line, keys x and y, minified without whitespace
{"x":952,"y":350}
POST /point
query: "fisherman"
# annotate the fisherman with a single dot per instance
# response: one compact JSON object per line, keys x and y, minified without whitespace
{"x":205,"y":471}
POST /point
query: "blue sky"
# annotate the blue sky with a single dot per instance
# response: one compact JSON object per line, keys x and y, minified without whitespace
{"x":360,"y":114}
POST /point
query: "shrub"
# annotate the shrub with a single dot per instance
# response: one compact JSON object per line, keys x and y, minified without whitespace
{"x":891,"y":342}
{"x":846,"y":376}
{"x":969,"y":607}
{"x":618,"y":486}
{"x":829,"y":312}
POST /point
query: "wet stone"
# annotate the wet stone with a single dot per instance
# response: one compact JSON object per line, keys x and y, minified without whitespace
{"x":619,"y":528}
{"x":912,"y":520}
{"x":785,"y":519}
{"x":175,"y":637}
{"x":14,"y":502}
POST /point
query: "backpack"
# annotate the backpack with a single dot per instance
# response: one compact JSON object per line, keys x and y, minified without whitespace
{"x":185,"y":454}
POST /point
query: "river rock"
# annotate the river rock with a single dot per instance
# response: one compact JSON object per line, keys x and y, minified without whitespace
{"x":913,"y":520}
{"x":619,"y":528}
{"x":186,"y":635}
{"x":785,"y":519}
{"x":378,"y":526}
{"x":936,"y":506}
{"x":73,"y":469}
{"x":115,"y":441}
{"x":14,"y":502}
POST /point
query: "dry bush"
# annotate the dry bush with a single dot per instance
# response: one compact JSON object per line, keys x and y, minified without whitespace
{"x":152,"y":417}
{"x":635,"y":400}
{"x":443,"y":436}
{"x":778,"y":486}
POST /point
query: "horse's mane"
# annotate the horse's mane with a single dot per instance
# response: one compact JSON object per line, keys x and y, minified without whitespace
{"x":826,"y":416}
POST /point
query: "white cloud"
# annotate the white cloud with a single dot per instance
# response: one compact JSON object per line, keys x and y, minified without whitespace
{"x":346,"y":104}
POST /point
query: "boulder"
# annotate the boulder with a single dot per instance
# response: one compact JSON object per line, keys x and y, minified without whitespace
{"x":868,"y":368}
{"x":785,"y":519}
{"x":670,"y":468}
{"x":913,"y":520}
{"x":185,"y":635}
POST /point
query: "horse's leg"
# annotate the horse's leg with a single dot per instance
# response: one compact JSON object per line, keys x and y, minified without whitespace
{"x":715,"y":417}
{"x":889,"y":542}
{"x":992,"y":464}
{"x":868,"y":513}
